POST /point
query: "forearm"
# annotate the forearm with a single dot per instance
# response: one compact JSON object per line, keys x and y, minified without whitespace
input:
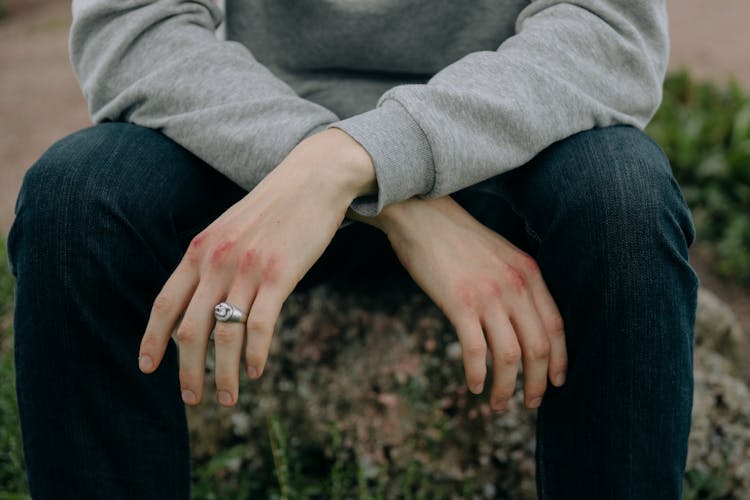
{"x":398,"y":217}
{"x":570,"y":67}
{"x":158,"y":64}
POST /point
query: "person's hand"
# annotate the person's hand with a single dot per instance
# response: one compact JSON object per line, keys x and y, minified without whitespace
{"x":253,"y":256}
{"x":482,"y":282}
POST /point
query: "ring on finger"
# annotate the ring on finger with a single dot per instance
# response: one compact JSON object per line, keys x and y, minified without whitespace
{"x":229,"y":313}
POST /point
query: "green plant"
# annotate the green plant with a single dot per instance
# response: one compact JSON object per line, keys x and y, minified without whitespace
{"x":704,"y":129}
{"x":698,"y":485}
{"x":12,"y":469}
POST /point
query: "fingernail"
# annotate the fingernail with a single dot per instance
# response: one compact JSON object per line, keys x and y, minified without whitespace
{"x":252,"y":372}
{"x":560,"y":379}
{"x":145,"y":363}
{"x":188,"y":396}
{"x":225,"y":398}
{"x":534,"y":403}
{"x":478,"y":387}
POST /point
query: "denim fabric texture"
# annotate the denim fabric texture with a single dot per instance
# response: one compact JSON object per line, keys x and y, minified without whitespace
{"x":104,"y":216}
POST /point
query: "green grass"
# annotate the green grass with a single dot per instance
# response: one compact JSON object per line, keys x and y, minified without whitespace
{"x":704,"y":129}
{"x":12,"y":471}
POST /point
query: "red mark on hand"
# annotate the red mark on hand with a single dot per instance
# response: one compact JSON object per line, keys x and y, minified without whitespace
{"x":248,"y":261}
{"x":495,"y":289}
{"x":271,"y":270}
{"x":466,"y":295}
{"x":516,"y":277}
{"x":220,"y":252}
{"x":530,"y":265}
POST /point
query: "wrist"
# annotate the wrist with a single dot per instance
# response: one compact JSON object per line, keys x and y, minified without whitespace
{"x":358,"y":172}
{"x":392,"y":217}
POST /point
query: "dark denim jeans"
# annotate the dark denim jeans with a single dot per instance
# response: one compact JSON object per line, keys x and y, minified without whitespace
{"x":105,"y":215}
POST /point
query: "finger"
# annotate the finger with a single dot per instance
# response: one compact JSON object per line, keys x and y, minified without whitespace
{"x":165,"y":312}
{"x":552,"y":323}
{"x":506,"y":356}
{"x":535,"y":349}
{"x":260,"y":327}
{"x":192,"y":339}
{"x":228,"y":340}
{"x":473,"y":350}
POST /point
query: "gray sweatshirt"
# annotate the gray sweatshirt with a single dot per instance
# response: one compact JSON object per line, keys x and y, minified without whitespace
{"x":442,"y":93}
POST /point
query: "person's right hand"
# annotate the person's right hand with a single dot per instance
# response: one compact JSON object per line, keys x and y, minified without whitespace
{"x":481,"y":282}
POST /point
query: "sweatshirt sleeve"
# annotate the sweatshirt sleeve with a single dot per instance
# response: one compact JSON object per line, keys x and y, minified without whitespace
{"x":569,"y":67}
{"x":159,"y":64}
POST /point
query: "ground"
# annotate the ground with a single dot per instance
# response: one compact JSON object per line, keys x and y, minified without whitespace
{"x":40,"y":100}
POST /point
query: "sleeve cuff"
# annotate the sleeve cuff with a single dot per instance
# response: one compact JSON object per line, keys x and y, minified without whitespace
{"x":400,"y":152}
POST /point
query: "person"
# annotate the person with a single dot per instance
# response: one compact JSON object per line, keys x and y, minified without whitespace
{"x":496,"y":149}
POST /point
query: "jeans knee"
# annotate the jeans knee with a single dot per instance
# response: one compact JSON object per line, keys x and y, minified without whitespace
{"x":624,"y":186}
{"x":76,"y":184}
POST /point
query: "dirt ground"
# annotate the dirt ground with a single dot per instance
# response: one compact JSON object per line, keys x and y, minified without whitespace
{"x":40,"y":101}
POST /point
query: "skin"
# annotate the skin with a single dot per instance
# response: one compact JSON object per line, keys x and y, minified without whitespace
{"x":256,"y":252}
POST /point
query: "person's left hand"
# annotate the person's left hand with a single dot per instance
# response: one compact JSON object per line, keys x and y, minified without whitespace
{"x":253,"y":256}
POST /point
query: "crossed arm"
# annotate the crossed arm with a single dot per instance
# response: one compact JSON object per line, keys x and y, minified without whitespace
{"x":570,"y":66}
{"x":256,"y":252}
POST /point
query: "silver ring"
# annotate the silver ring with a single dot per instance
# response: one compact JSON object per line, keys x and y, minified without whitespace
{"x":228,"y":313}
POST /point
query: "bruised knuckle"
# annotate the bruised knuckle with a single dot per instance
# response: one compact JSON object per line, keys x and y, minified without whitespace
{"x":496,"y":290}
{"x":271,"y":270}
{"x":516,"y":277}
{"x":467,"y":300}
{"x":249,"y":260}
{"x":529,"y":265}
{"x":195,"y":249}
{"x":219,"y":255}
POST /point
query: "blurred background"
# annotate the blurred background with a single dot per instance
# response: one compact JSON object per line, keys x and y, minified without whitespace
{"x":703,"y":125}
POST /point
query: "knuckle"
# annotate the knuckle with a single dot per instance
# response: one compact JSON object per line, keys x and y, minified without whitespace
{"x":257,"y":326}
{"x":219,"y":255}
{"x":529,"y":265}
{"x":475,"y":349}
{"x":467,"y":297}
{"x":511,"y":356}
{"x":248,"y":260}
{"x":539,"y":350}
{"x":186,"y":332}
{"x":150,"y":342}
{"x":555,"y":325}
{"x":162,"y":304}
{"x":495,"y":288}
{"x":516,"y":278}
{"x":195,"y":248}
{"x":272,"y":270}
